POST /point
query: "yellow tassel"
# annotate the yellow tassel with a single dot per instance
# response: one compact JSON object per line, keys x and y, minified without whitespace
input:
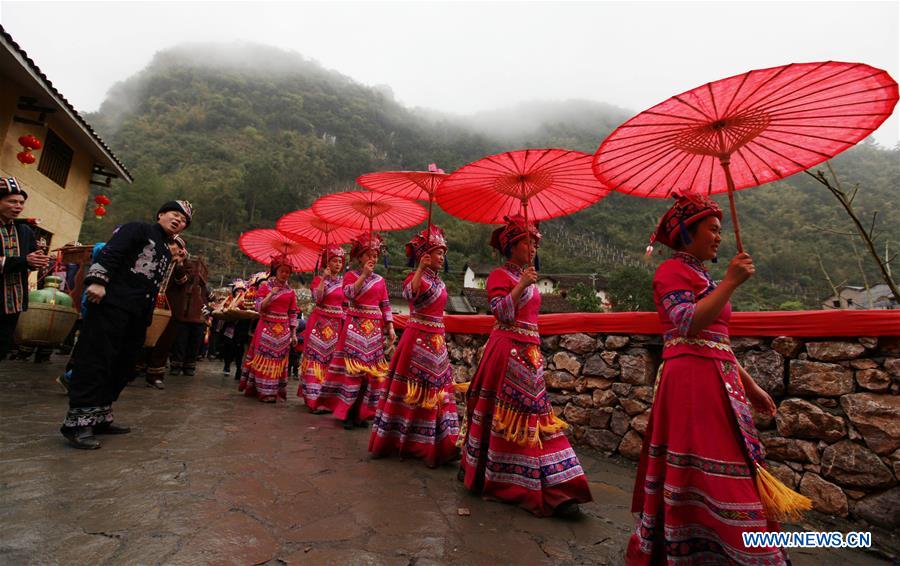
{"x":378,"y":371}
{"x":267,"y":367}
{"x":462,"y":387}
{"x":425,"y":397}
{"x":318,"y":370}
{"x":525,"y":429}
{"x":780,"y":502}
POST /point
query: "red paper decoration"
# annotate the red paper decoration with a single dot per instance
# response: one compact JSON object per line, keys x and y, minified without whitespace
{"x":102,"y":200}
{"x":99,"y":212}
{"x":30,"y":142}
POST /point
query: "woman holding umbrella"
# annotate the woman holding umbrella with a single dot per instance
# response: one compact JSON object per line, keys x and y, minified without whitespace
{"x":324,"y":326}
{"x":514,"y":448}
{"x":417,"y":415}
{"x":695,"y":490}
{"x":265,"y":365}
{"x":355,"y":376}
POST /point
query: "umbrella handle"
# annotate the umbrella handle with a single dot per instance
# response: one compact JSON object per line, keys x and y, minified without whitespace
{"x":527,"y":231}
{"x":725,"y":161}
{"x":734,"y":216}
{"x":428,"y":225}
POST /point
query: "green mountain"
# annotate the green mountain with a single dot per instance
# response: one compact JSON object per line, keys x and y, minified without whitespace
{"x":249,"y":132}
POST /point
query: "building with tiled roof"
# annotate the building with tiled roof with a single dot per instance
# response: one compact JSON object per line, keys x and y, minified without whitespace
{"x":72,"y":158}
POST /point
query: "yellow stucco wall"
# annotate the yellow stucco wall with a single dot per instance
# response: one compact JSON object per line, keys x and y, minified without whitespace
{"x":60,"y":210}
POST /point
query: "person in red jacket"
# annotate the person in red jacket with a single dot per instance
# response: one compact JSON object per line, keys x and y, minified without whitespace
{"x":355,"y":378}
{"x":514,"y":448}
{"x":701,"y":481}
{"x":417,"y":415}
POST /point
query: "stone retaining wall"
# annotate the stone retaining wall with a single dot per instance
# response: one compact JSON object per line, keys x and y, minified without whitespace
{"x":835,"y":438}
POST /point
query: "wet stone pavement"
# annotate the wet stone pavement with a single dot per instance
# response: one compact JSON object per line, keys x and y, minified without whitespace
{"x":210,"y":477}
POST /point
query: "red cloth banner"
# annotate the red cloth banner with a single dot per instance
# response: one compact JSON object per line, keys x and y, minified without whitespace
{"x":809,"y":324}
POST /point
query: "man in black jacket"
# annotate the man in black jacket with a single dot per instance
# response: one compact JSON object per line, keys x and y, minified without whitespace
{"x":121,"y":290}
{"x":19,"y":255}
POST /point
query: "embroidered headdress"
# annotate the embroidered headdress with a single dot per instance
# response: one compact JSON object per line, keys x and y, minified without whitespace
{"x":687,"y":210}
{"x":503,"y":238}
{"x":421,"y":245}
{"x":330,"y":252}
{"x":365,"y":242}
{"x":278,"y":261}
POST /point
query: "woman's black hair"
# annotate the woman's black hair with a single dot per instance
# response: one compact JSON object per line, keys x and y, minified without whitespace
{"x":681,"y":241}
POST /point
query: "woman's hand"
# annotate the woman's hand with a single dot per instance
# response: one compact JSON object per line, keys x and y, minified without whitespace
{"x":761,"y":401}
{"x":368,"y":268}
{"x":740,"y":268}
{"x":390,"y":337}
{"x":529,"y":277}
{"x":424,"y":262}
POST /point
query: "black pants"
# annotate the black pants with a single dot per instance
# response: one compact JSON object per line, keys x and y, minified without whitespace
{"x":215,"y":347}
{"x":188,"y":340}
{"x":153,"y":360}
{"x":103,"y":362}
{"x":233,"y":352}
{"x":7,"y":332}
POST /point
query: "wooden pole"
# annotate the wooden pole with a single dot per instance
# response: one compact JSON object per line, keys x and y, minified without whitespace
{"x":527,"y":231}
{"x":428,"y":225}
{"x":725,"y":161}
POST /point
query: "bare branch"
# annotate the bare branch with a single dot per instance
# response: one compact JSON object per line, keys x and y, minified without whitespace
{"x":831,"y":284}
{"x":867,"y":236}
{"x":859,"y":264}
{"x":833,"y":231}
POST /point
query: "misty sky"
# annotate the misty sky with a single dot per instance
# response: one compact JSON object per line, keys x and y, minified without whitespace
{"x":462,"y":57}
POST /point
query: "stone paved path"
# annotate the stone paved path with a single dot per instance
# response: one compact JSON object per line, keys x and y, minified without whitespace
{"x":209,"y":476}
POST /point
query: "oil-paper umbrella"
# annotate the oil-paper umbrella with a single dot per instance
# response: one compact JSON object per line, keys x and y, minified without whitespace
{"x":264,"y":244}
{"x":363,"y":210}
{"x":412,"y":185}
{"x":746,"y":130}
{"x":305,"y":226}
{"x":537,"y":183}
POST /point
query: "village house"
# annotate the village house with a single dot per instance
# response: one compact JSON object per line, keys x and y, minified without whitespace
{"x":72,"y":157}
{"x":855,"y":297}
{"x":549,"y":284}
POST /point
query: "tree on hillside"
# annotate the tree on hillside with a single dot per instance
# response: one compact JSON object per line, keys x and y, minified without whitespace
{"x":630,"y":289}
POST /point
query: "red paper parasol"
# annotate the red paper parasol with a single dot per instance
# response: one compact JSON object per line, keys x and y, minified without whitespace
{"x":545,"y":183}
{"x":412,"y":185}
{"x":746,"y":130}
{"x":538,"y":183}
{"x":264,"y":244}
{"x":305,"y":225}
{"x":363,"y":210}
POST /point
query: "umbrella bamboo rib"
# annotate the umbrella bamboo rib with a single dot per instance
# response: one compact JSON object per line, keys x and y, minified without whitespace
{"x":736,"y":92}
{"x":779,"y":104}
{"x":694,"y":108}
{"x":643,"y":161}
{"x":769,"y":80}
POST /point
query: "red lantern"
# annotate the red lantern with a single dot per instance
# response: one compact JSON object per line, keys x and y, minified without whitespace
{"x":26,"y":157}
{"x":102,"y":200}
{"x":99,"y":212}
{"x":30,"y":142}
